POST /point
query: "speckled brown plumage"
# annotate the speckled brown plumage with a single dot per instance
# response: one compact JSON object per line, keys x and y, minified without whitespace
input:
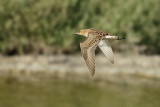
{"x":94,"y":39}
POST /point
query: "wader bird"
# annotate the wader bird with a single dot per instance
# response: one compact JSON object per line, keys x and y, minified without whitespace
{"x":94,"y":39}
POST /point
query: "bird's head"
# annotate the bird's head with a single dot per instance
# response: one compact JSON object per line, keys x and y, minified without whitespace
{"x":83,"y":32}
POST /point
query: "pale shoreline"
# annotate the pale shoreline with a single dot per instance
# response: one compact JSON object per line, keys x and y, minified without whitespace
{"x":124,"y":64}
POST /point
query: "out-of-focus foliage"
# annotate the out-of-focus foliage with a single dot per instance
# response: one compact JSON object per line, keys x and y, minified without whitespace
{"x":26,"y":24}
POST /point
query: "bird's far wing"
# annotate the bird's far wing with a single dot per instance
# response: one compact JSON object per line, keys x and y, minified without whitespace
{"x":107,"y":50}
{"x":88,"y":52}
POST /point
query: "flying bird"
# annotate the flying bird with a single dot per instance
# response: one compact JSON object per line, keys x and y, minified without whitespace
{"x":96,"y":38}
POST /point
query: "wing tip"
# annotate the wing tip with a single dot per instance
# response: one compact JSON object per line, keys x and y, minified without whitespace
{"x":112,"y":61}
{"x":92,"y":74}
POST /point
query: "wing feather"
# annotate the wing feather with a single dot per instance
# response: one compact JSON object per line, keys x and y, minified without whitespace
{"x":88,"y":52}
{"x":107,"y":50}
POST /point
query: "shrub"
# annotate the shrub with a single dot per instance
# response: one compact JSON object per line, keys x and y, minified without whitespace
{"x":24,"y":23}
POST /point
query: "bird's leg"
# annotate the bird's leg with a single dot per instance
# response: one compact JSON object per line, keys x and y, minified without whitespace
{"x":114,"y":37}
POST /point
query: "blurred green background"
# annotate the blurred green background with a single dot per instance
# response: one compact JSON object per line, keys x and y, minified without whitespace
{"x":45,"y":27}
{"x":28,"y":26}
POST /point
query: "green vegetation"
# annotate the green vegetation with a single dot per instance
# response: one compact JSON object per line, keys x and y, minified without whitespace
{"x":27,"y":24}
{"x":43,"y":90}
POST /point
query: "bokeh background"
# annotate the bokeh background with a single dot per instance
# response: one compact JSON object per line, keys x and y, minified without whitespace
{"x":41,"y":64}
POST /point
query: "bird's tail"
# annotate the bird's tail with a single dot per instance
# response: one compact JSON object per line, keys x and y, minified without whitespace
{"x":114,"y":37}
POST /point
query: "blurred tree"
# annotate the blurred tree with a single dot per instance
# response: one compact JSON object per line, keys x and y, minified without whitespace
{"x":26,"y":23}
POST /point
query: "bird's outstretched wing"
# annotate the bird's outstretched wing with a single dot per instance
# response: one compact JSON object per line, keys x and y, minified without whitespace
{"x":107,"y":50}
{"x":88,"y":51}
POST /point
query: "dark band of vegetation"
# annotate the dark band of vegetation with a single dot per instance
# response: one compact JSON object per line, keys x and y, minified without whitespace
{"x":30,"y":25}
